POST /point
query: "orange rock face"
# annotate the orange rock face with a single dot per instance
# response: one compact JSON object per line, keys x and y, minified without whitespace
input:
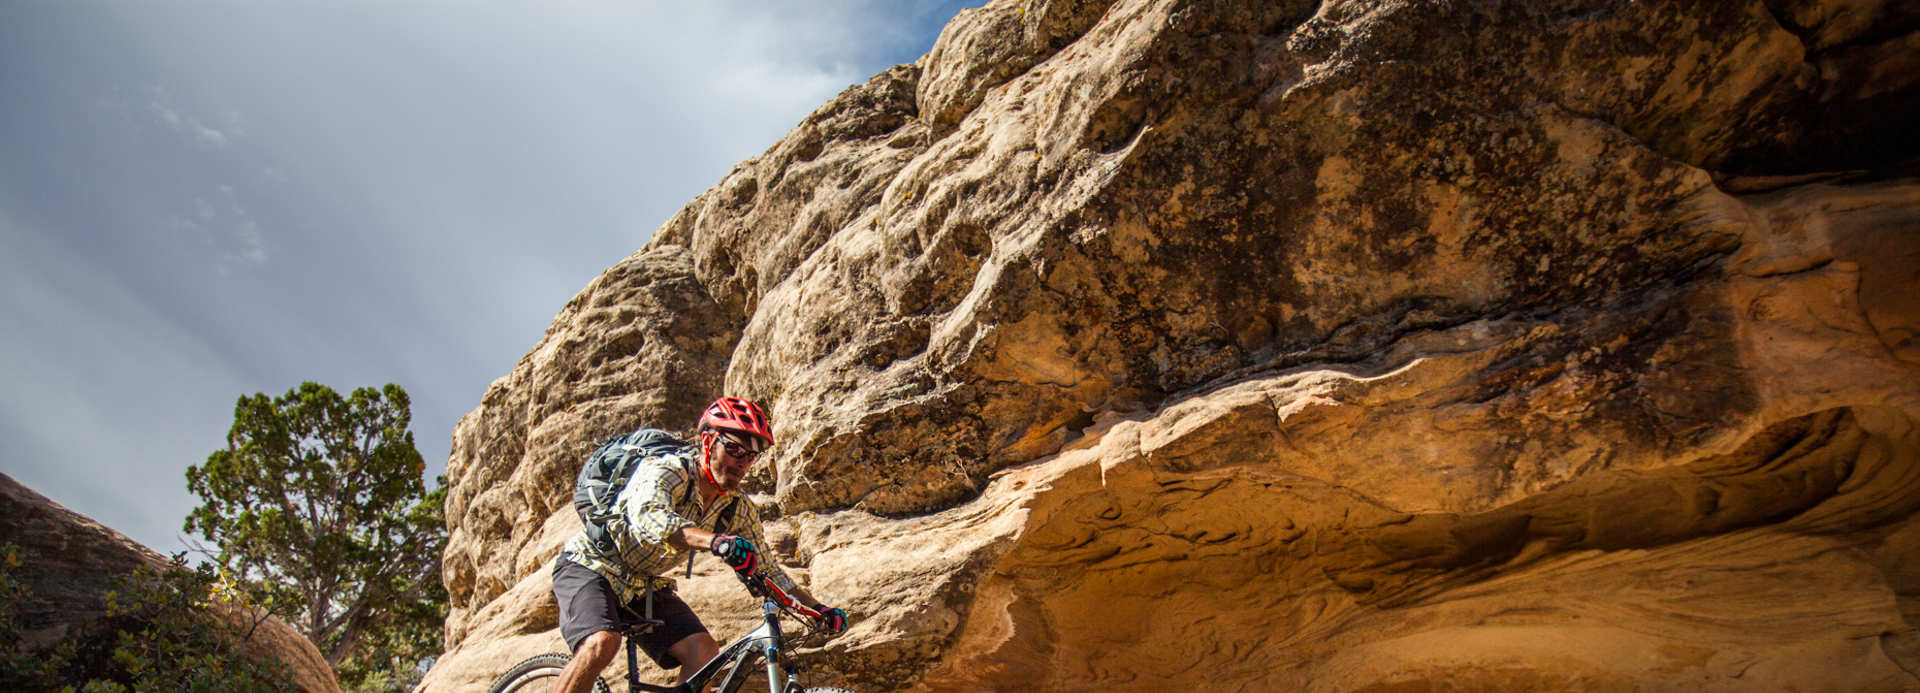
{"x":1166,"y":344}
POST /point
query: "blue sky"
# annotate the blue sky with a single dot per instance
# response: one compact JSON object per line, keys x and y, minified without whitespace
{"x":203,"y":200}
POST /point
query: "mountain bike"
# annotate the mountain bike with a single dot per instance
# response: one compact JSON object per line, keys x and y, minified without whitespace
{"x":735,"y":663}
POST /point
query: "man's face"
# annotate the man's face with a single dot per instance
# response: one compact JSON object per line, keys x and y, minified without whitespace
{"x":732,"y":456}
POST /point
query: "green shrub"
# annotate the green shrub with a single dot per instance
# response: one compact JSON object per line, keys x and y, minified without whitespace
{"x":159,"y":634}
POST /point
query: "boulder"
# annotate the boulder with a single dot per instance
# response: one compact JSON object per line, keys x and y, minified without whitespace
{"x":69,"y":562}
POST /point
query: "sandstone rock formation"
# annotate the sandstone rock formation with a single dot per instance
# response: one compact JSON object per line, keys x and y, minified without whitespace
{"x":1367,"y":344}
{"x":68,"y":562}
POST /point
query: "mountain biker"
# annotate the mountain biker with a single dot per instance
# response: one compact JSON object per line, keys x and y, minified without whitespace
{"x":660,"y":522}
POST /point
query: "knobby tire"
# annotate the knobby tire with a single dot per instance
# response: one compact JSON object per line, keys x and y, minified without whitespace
{"x":533,"y":671}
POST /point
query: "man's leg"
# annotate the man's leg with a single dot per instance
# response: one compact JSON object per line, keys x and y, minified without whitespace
{"x":693,"y":651}
{"x":592,"y":657}
{"x":681,"y":641}
{"x":590,"y":622}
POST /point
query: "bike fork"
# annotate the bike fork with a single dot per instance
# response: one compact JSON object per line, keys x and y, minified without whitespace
{"x":772,"y":614}
{"x":773,"y":671}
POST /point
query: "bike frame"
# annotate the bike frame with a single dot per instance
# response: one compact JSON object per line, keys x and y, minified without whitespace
{"x":764,"y":642}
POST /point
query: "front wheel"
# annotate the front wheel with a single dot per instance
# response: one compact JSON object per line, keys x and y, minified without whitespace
{"x":537,"y":675}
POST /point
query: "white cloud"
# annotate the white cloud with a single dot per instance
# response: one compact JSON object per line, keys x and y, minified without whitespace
{"x":160,"y":105}
{"x":184,"y":226}
{"x":209,"y":135}
{"x":251,"y":248}
{"x":156,"y":105}
{"x":227,"y":230}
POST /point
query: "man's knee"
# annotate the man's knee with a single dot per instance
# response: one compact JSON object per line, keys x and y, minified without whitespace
{"x":598,"y":649}
{"x":694,"y":651}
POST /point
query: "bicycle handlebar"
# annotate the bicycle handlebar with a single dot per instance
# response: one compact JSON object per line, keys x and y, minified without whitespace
{"x":760,"y":586}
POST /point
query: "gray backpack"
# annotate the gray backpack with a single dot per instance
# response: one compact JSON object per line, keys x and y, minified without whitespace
{"x":606,"y":473}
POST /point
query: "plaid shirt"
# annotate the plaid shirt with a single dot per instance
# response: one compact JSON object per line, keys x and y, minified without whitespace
{"x":657,"y":502}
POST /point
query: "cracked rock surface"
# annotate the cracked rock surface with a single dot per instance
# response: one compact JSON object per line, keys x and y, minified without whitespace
{"x":1382,"y":345}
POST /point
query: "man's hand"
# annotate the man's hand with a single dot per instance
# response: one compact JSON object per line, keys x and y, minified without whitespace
{"x":832,"y":620}
{"x":737,"y":552}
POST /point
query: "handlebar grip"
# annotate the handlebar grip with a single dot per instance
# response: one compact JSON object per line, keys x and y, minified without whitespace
{"x":737,"y":552}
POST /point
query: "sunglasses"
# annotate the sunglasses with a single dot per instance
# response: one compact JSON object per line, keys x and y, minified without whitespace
{"x":739,"y":451}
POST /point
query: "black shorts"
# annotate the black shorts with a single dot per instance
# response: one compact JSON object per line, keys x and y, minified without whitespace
{"x":588,"y":605}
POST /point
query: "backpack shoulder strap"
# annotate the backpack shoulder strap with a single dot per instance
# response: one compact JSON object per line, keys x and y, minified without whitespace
{"x":726,"y":514}
{"x":689,"y":468}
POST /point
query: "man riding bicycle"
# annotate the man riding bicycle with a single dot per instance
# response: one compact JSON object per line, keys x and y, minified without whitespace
{"x":660,"y":521}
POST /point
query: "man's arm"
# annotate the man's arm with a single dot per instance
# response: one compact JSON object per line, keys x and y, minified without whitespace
{"x":833,"y":621}
{"x":693,"y":538}
{"x":651,"y":518}
{"x":746,"y":523}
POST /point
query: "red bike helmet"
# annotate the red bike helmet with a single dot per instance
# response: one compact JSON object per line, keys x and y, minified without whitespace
{"x":729,"y":414}
{"x":735,"y":414}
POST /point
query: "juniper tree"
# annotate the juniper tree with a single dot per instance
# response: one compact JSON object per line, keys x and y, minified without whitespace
{"x":320,"y":513}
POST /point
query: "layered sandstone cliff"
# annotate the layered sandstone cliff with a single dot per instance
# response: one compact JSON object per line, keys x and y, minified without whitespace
{"x":1161,"y":344}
